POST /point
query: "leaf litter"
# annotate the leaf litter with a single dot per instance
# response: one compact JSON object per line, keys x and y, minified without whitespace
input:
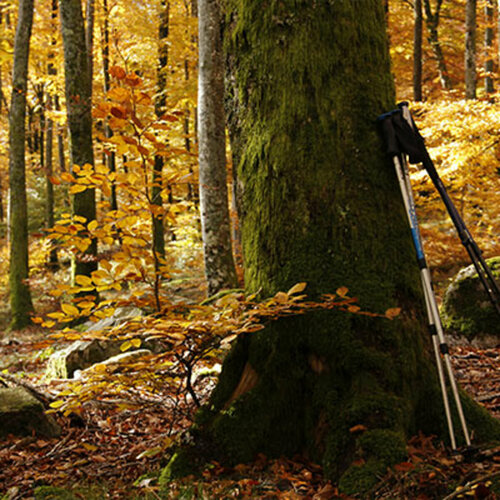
{"x":124,"y":449}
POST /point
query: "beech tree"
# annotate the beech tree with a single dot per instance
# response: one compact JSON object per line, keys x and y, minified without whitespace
{"x":417,"y":51}
{"x":321,"y":204}
{"x":20,"y":297}
{"x":470,"y":49}
{"x":78,"y":104}
{"x":432,"y":18}
{"x":160,"y":105}
{"x":216,"y":227}
{"x":489,"y":12}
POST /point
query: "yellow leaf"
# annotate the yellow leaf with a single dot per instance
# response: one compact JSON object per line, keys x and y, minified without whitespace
{"x":56,"y":404}
{"x":70,"y":309}
{"x":136,"y":342}
{"x":77,"y":188}
{"x":82,"y":280}
{"x":299,"y":287}
{"x":126,"y":346}
{"x":281,"y":297}
{"x":66,"y":176}
{"x":342,"y":291}
{"x":119,"y":94}
{"x":92,"y":225}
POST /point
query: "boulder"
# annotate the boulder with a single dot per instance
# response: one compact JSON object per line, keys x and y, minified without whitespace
{"x":85,"y":353}
{"x":22,"y":414}
{"x":467,"y":312}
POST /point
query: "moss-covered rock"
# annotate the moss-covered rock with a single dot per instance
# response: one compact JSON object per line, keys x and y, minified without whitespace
{"x":467,"y":310}
{"x":22,"y":414}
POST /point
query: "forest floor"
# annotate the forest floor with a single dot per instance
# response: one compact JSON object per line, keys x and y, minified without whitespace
{"x":117,"y":454}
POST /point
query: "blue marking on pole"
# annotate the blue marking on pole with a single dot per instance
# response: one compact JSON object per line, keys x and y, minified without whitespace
{"x":418,"y":246}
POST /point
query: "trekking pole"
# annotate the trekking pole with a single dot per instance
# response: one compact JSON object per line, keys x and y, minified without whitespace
{"x":441,"y":351}
{"x":475,"y":254}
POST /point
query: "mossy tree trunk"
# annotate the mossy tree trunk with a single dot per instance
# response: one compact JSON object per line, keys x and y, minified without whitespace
{"x":78,"y":105}
{"x":321,"y":204}
{"x":216,"y":227}
{"x":20,"y":297}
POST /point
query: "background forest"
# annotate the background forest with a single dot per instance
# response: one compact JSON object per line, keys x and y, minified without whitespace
{"x":117,"y":242}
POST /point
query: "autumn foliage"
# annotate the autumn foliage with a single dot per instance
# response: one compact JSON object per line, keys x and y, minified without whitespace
{"x":193,"y":333}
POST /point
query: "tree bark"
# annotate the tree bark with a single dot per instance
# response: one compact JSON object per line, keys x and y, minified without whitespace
{"x":49,"y":187}
{"x":432,"y":22}
{"x":417,"y":51}
{"x":89,"y":37}
{"x":160,"y":105}
{"x":321,"y":204}
{"x":470,"y":49}
{"x":78,"y":106}
{"x":489,"y":11}
{"x":111,"y":157}
{"x":20,"y":298}
{"x":216,"y":228}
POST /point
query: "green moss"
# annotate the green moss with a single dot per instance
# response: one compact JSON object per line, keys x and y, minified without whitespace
{"x":386,"y":445}
{"x":359,"y":479}
{"x":466,"y":307}
{"x":181,"y":465}
{"x":52,"y":492}
{"x":483,"y":427}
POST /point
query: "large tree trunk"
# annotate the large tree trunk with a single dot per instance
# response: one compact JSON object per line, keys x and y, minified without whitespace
{"x":216,"y":228}
{"x":20,"y":297}
{"x":470,"y":49}
{"x":321,"y":204}
{"x":78,"y":105}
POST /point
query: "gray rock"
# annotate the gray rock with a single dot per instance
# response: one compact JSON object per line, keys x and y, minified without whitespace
{"x":22,"y":414}
{"x":84,"y":353}
{"x":467,"y":312}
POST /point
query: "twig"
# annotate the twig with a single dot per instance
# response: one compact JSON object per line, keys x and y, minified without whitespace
{"x":470,"y":485}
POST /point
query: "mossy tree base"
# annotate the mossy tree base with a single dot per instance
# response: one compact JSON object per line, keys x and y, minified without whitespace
{"x":320,"y":204}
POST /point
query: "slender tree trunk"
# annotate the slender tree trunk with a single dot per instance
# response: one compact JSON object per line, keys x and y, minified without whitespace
{"x":41,"y":124}
{"x":489,"y":11}
{"x":160,"y":104}
{"x":417,"y":51}
{"x":60,"y":141}
{"x":216,"y":228}
{"x":321,"y":205}
{"x":89,"y":37}
{"x":470,"y":49}
{"x":111,"y":158}
{"x":49,"y":187}
{"x":78,"y":105}
{"x":432,"y":22}
{"x":20,"y":297}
